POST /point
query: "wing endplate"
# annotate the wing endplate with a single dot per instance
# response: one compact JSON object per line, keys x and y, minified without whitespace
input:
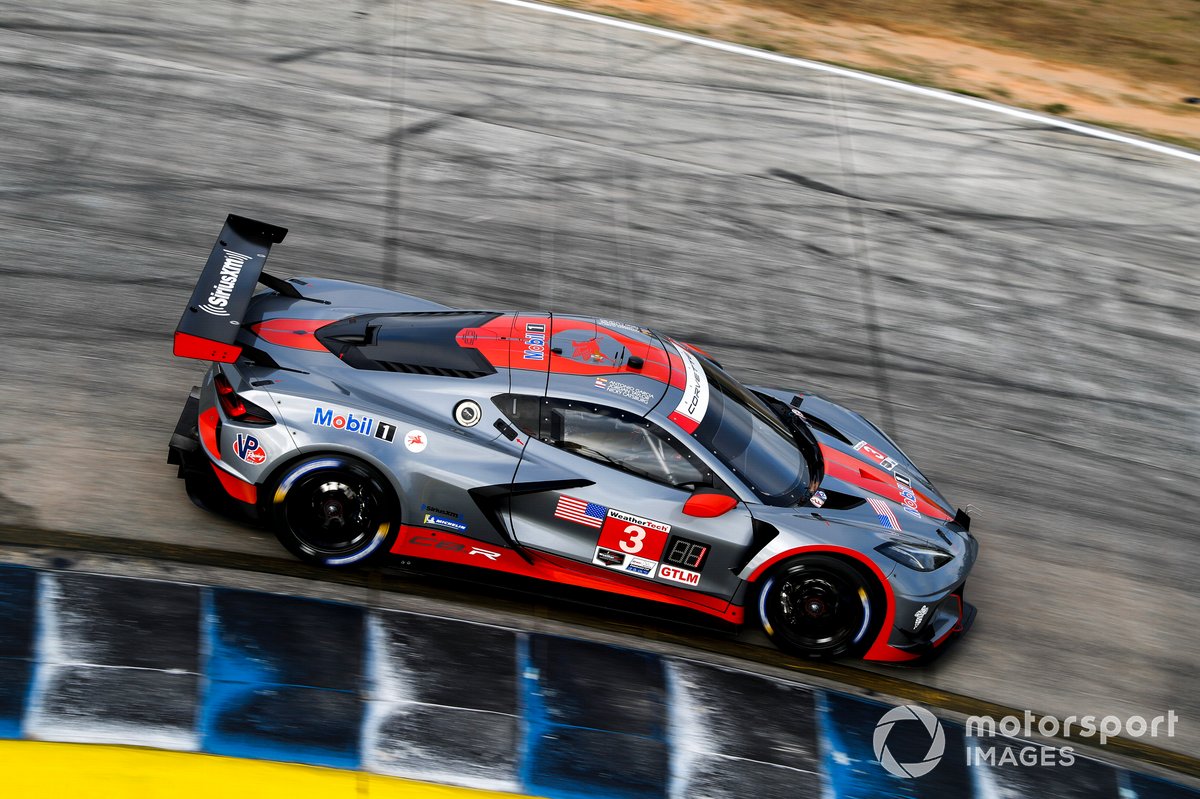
{"x":210,"y":324}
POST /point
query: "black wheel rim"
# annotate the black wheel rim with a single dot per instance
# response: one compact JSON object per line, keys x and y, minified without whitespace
{"x":818,"y":609}
{"x":333,"y":513}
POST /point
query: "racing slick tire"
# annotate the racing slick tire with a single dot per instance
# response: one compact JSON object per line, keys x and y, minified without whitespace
{"x":818,"y":606}
{"x":334,"y":511}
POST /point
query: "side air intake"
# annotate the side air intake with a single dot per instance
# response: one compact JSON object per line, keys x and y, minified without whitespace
{"x":421,"y":343}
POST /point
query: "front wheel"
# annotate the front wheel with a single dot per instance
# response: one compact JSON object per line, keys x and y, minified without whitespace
{"x":818,"y":606}
{"x":332,"y":510}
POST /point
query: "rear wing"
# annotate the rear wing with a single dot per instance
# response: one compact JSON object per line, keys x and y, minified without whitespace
{"x":209,"y":327}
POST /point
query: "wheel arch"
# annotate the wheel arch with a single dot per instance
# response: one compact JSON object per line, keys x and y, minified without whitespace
{"x":871,"y":571}
{"x":294,"y":471}
{"x":270,"y":483}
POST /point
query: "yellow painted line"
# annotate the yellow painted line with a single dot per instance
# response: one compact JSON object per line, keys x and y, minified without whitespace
{"x":36,"y":770}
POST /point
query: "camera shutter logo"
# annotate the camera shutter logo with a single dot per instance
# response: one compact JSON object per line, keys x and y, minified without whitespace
{"x":937,"y":741}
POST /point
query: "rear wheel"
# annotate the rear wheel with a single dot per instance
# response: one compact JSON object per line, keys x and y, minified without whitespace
{"x":333,"y":510}
{"x":818,"y":606}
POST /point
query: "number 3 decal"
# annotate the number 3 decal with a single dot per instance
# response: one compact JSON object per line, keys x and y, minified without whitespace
{"x":633,"y":535}
{"x":633,"y":544}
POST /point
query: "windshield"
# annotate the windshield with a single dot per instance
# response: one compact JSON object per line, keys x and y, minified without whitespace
{"x":746,"y":436}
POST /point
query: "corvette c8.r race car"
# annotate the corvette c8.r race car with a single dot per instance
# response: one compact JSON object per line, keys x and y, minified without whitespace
{"x":357,"y":423}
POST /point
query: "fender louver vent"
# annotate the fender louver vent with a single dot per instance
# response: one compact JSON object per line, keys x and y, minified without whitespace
{"x":421,"y":343}
{"x":414,"y":369}
{"x":825,"y":427}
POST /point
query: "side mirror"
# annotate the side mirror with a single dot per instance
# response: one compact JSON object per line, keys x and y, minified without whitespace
{"x":709,"y":504}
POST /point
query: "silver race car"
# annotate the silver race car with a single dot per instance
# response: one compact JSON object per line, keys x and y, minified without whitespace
{"x":359,"y":423}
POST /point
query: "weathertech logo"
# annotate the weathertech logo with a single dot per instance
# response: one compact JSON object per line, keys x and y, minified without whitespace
{"x":222,"y":291}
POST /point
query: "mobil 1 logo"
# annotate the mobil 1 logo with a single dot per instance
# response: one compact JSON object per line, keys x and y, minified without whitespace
{"x":349,"y":422}
{"x":385,"y":431}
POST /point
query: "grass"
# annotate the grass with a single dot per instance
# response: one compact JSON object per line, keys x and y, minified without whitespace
{"x":1146,"y":43}
{"x":1156,"y":40}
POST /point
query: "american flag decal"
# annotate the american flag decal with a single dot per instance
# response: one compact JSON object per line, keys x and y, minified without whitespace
{"x":580,"y":511}
{"x":884,"y":513}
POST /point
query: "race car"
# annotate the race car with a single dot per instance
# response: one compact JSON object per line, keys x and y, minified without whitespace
{"x":359,"y":423}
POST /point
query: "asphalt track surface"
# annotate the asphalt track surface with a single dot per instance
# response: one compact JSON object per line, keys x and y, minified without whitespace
{"x":1016,"y":303}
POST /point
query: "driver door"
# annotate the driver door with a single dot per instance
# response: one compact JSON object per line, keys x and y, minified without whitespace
{"x":626,"y":515}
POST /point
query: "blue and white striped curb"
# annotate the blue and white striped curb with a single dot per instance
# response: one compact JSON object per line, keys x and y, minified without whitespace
{"x":99,"y":659}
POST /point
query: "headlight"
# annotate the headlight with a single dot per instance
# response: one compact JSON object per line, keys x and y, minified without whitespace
{"x":922,"y":557}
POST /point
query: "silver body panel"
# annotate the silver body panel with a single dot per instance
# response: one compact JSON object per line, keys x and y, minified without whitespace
{"x":404,"y":425}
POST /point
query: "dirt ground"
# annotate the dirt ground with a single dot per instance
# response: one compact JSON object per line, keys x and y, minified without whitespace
{"x":1116,"y":96}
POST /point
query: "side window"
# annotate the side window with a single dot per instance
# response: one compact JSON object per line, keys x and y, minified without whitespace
{"x":621,"y":440}
{"x":523,"y":411}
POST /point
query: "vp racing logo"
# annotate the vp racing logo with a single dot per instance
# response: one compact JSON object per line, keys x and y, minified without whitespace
{"x":928,"y":721}
{"x":249,"y":450}
{"x":222,"y":290}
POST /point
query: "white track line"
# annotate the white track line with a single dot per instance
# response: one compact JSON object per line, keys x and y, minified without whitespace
{"x":737,"y":49}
